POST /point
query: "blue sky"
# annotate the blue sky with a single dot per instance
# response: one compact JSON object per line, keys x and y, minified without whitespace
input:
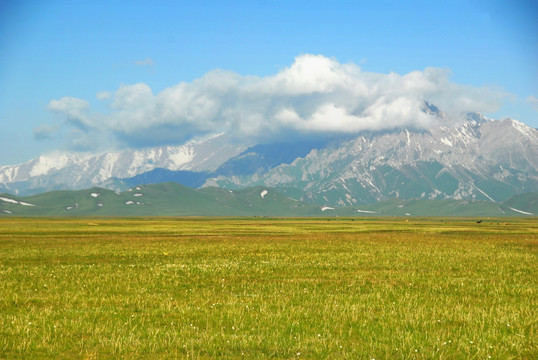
{"x":63,"y":64}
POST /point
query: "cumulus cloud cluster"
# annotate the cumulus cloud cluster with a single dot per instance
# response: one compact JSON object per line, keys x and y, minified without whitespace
{"x":315,"y":95}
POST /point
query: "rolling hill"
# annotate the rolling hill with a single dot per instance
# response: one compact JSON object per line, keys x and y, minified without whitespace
{"x":172,"y":199}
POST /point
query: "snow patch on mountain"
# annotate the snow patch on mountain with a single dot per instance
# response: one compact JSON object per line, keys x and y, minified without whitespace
{"x":521,"y":211}
{"x":8,"y":200}
{"x":13,"y":201}
{"x":46,"y":163}
{"x":367,"y":211}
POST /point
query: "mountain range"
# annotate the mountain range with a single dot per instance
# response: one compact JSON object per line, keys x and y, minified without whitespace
{"x":479,"y":159}
{"x":471,"y":159}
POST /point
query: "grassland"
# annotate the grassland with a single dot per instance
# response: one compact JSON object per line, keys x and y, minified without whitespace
{"x":268,"y":288}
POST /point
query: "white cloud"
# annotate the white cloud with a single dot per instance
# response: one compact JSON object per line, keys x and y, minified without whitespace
{"x":533,"y":100}
{"x":45,"y":132}
{"x":75,"y":111}
{"x":103,"y":95}
{"x":69,"y":105}
{"x":315,"y":95}
{"x":311,"y":74}
{"x":132,"y":96}
{"x":145,"y":62}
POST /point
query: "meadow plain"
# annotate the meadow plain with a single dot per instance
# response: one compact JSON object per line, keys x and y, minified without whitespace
{"x":257,"y":288}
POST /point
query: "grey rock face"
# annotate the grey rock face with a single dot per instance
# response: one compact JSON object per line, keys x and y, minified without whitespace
{"x":477,"y":159}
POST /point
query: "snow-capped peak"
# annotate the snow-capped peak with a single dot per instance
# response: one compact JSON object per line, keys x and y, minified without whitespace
{"x":524,"y":129}
{"x":71,"y":170}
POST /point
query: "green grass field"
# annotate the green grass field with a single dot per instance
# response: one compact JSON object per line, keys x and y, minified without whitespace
{"x":267,"y":288}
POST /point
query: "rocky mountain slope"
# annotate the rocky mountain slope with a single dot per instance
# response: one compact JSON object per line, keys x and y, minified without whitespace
{"x":62,"y":171}
{"x":479,"y":159}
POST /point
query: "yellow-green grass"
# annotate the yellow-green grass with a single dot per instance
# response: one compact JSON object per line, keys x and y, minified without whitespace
{"x":268,"y":288}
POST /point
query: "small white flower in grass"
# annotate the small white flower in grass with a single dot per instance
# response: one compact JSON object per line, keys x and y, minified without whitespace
{"x":298,"y":353}
{"x":508,"y":325}
{"x":319,"y":335}
{"x":471,"y":342}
